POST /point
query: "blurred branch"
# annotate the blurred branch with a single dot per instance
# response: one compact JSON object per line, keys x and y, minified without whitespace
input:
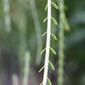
{"x":37,"y":28}
{"x":21,"y":20}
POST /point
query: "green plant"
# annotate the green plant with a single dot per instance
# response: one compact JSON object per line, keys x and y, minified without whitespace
{"x":63,"y":24}
{"x":48,"y":47}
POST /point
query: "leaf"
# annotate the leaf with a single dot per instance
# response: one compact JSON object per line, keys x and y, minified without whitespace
{"x":54,"y":5}
{"x":42,"y":51}
{"x":67,"y":28}
{"x":54,"y":20}
{"x":49,"y":82}
{"x":53,"y":51}
{"x":51,"y":65}
{"x":66,"y":25}
{"x":43,"y":34}
{"x":53,"y":35}
{"x":41,"y":69}
{"x":46,"y":7}
{"x":45,"y":19}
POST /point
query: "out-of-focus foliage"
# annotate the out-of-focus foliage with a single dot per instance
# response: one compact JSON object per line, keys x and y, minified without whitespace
{"x":13,"y":45}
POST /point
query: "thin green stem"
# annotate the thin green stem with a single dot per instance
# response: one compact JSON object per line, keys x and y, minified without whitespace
{"x":61,"y":42}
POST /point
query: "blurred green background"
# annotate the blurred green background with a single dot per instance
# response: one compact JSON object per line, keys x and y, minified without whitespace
{"x":21,"y":26}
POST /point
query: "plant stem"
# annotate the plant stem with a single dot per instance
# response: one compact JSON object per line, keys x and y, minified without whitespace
{"x":61,"y":42}
{"x":7,"y":15}
{"x":47,"y":44}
